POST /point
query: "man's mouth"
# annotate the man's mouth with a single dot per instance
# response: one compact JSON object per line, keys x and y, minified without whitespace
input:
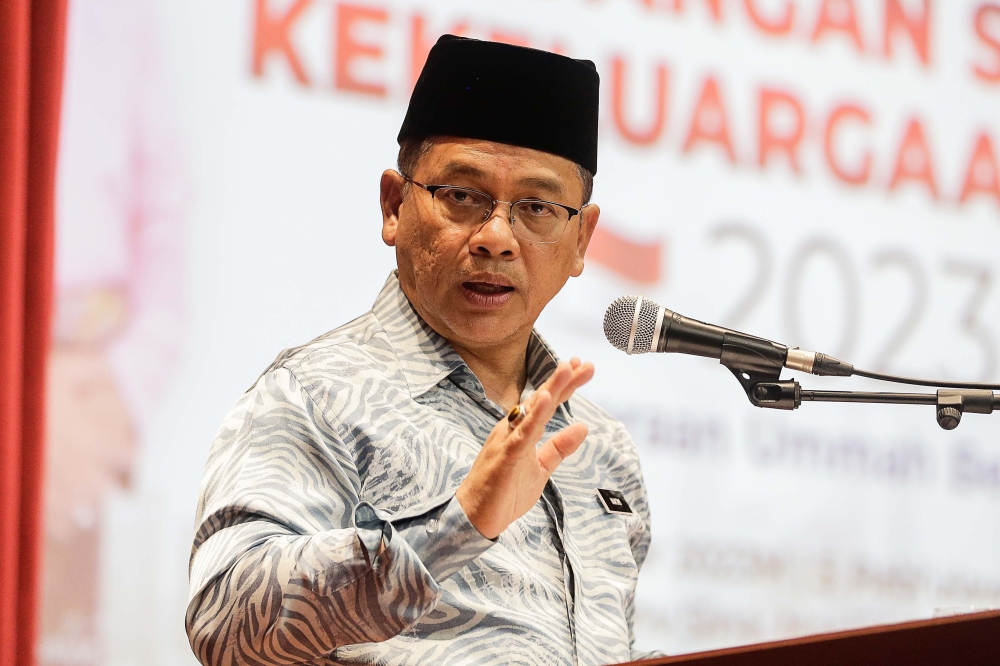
{"x":486,"y":295}
{"x":487,"y":288}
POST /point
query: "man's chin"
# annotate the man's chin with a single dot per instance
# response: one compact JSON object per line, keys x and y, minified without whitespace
{"x":484,"y":329}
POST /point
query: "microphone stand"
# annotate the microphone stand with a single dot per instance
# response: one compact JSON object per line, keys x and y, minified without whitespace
{"x":757,"y":364}
{"x":765,"y":388}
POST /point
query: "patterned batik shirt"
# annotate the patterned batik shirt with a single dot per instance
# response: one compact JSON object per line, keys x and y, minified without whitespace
{"x":328,"y":531}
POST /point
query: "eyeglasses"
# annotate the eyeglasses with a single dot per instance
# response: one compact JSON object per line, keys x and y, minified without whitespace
{"x":532,"y":220}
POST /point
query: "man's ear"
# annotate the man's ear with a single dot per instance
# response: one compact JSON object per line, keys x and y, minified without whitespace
{"x":588,"y":222}
{"x":390,"y":199}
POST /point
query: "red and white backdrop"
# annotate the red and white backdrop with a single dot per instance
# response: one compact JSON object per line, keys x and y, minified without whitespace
{"x":825,"y":173}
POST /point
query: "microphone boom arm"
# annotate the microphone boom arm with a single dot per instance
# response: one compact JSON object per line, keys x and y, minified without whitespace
{"x":767,"y":390}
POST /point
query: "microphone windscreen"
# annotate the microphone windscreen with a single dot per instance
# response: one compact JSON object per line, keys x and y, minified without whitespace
{"x":631,"y":334}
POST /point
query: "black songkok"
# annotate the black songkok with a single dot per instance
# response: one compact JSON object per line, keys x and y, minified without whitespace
{"x":508,"y":94}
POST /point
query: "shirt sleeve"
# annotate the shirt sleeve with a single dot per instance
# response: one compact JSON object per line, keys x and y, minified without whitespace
{"x":288,"y":563}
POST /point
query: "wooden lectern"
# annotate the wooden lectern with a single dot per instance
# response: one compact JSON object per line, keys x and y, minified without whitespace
{"x":963,"y":640}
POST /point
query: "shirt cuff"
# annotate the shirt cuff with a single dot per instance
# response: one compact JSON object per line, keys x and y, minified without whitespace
{"x":374,"y":531}
{"x":441,"y":537}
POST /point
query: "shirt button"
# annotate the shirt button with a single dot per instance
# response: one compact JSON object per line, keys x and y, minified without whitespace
{"x":432,"y":526}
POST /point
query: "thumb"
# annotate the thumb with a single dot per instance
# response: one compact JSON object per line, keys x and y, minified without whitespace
{"x":561,"y":446}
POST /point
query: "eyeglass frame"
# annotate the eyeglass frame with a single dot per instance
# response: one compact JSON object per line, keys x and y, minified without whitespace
{"x":431,"y":189}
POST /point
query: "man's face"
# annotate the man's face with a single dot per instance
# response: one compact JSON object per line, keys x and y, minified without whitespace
{"x":481,"y":286}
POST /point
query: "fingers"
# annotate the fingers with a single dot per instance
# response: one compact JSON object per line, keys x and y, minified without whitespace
{"x":583,"y":374}
{"x":560,"y":446}
{"x":567,"y":378}
{"x":541,"y":407}
{"x":562,"y":376}
{"x":559,"y":378}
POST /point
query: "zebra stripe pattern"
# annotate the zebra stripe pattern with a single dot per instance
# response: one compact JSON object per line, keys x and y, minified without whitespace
{"x":327,"y":531}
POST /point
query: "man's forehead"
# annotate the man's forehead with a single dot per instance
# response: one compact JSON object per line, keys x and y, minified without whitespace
{"x":486,"y":160}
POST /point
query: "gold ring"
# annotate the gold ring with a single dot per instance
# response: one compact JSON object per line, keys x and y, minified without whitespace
{"x":516,"y":415}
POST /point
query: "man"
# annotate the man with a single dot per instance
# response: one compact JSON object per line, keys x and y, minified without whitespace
{"x":397,"y":491}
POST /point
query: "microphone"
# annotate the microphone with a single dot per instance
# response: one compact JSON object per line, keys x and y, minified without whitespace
{"x":637,"y":325}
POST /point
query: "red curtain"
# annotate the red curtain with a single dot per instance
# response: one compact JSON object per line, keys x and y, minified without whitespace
{"x":32,"y":35}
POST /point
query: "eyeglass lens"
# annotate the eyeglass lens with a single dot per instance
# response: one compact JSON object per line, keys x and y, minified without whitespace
{"x":536,"y":221}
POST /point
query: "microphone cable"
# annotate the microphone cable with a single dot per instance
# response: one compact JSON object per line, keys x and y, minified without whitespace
{"x":926,"y":382}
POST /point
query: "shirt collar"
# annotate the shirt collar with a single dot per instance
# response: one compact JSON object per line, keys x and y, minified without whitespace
{"x":425,"y":357}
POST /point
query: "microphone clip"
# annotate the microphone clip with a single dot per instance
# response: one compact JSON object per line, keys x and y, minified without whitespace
{"x":756,"y":363}
{"x":767,"y":390}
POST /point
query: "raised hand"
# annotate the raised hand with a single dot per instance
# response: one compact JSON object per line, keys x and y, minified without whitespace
{"x":510,"y":472}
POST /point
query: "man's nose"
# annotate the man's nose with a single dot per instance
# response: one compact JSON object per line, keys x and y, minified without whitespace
{"x":495,"y":237}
